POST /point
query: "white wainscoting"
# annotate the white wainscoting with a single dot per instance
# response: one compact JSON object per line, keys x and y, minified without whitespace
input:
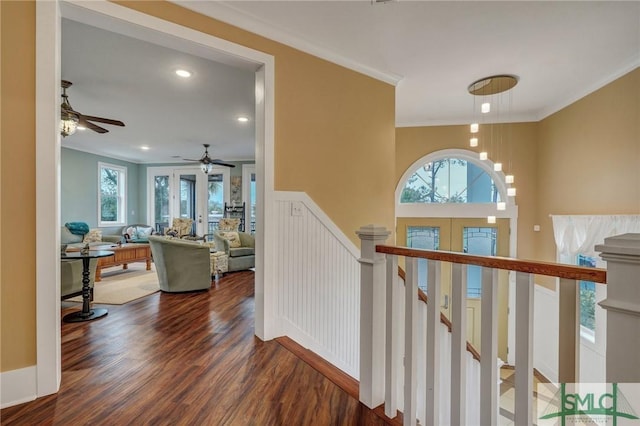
{"x":317,"y":278}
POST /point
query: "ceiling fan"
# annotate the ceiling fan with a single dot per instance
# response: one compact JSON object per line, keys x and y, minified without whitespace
{"x":207,"y":162}
{"x":70,"y":120}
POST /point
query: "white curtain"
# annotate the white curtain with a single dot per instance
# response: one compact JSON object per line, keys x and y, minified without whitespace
{"x":579,"y":234}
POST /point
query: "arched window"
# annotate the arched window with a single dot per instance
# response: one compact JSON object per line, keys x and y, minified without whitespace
{"x":451,"y":179}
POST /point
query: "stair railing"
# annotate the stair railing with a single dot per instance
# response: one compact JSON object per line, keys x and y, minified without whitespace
{"x":379,"y":325}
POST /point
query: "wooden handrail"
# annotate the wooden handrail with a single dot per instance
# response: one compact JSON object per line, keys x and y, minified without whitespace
{"x":596,"y":275}
{"x":443,"y":318}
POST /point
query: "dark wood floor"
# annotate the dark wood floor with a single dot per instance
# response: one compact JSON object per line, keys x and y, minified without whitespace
{"x":186,"y":359}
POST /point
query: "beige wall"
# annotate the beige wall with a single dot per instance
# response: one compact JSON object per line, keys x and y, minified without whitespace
{"x":334,"y":137}
{"x":584,"y":159}
{"x":17,"y":185}
{"x":591,"y":158}
{"x":412,"y":143}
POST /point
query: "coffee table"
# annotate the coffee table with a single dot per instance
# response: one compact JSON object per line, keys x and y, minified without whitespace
{"x":123,"y":254}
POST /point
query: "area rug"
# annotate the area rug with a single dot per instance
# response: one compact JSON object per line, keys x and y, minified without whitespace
{"x":120,"y":286}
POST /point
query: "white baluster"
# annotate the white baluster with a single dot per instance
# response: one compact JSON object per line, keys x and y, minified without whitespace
{"x":569,"y":331}
{"x":524,"y":349}
{"x":392,"y":340}
{"x":489,"y":345}
{"x":410,"y":341}
{"x":458,"y":344}
{"x":433,"y":344}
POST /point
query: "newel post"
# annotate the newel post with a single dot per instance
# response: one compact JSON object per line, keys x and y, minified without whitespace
{"x":372,"y":314}
{"x":622,"y":254}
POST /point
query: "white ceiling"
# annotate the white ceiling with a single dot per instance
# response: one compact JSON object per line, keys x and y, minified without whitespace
{"x":560,"y":51}
{"x":132,"y":80}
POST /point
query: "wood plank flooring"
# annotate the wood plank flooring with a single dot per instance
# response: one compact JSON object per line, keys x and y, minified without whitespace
{"x":186,"y":359}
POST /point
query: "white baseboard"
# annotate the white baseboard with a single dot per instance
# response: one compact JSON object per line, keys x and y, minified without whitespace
{"x":308,"y":342}
{"x":17,"y":386}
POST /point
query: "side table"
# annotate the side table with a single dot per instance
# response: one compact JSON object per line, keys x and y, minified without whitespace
{"x":219,"y":262}
{"x":86,"y":314}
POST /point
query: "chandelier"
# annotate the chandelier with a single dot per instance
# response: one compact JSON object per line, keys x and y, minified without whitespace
{"x":494,"y":107}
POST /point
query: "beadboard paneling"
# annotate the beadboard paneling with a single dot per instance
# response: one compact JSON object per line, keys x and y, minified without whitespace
{"x":318,"y":279}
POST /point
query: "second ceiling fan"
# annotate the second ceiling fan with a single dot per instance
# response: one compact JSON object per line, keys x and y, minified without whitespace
{"x":207,"y":162}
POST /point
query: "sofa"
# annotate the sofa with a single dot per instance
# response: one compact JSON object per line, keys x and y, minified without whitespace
{"x":71,"y":277}
{"x":137,"y":233}
{"x":180,"y":265}
{"x":75,"y":240}
{"x":240,"y":247}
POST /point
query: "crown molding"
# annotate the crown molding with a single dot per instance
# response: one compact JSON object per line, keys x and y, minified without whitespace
{"x":465,"y":121}
{"x":231,"y":15}
{"x":587,"y":90}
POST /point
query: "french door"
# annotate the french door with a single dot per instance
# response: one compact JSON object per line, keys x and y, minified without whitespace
{"x":187,"y":192}
{"x":249,"y":196}
{"x":474,"y":236}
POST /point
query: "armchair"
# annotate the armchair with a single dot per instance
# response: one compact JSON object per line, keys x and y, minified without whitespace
{"x":76,"y":240}
{"x":180,"y":265}
{"x":180,"y":227}
{"x":239,"y":247}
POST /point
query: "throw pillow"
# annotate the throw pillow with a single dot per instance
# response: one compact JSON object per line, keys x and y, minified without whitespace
{"x":144,"y":232}
{"x":93,"y":236}
{"x":132,"y":231}
{"x":233,"y":237}
{"x":228,"y":224}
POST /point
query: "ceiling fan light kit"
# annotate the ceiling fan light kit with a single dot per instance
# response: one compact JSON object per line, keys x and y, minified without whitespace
{"x":70,"y":120}
{"x":68,"y":123}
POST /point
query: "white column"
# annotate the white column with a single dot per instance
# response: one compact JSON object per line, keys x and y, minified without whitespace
{"x":622,"y":253}
{"x":372,"y":315}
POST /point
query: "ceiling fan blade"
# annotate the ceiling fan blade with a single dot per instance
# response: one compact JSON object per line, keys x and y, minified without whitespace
{"x":89,"y":125}
{"x":103,"y":120}
{"x":221,"y":163}
{"x":189,"y":159}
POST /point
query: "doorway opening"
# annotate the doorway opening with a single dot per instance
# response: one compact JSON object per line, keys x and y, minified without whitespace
{"x":127,"y":21}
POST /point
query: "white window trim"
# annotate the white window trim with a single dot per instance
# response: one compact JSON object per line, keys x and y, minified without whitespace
{"x":122,"y":194}
{"x":470,"y":156}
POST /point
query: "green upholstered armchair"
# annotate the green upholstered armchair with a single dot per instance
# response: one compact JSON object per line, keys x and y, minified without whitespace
{"x":71,"y":277}
{"x":243,"y":255}
{"x":180,"y":265}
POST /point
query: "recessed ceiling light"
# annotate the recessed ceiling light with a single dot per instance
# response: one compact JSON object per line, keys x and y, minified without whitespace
{"x":81,"y":128}
{"x":183,"y":73}
{"x":145,"y":148}
{"x":243,"y":119}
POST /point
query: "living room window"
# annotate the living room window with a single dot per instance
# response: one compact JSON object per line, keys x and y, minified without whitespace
{"x":112,"y":194}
